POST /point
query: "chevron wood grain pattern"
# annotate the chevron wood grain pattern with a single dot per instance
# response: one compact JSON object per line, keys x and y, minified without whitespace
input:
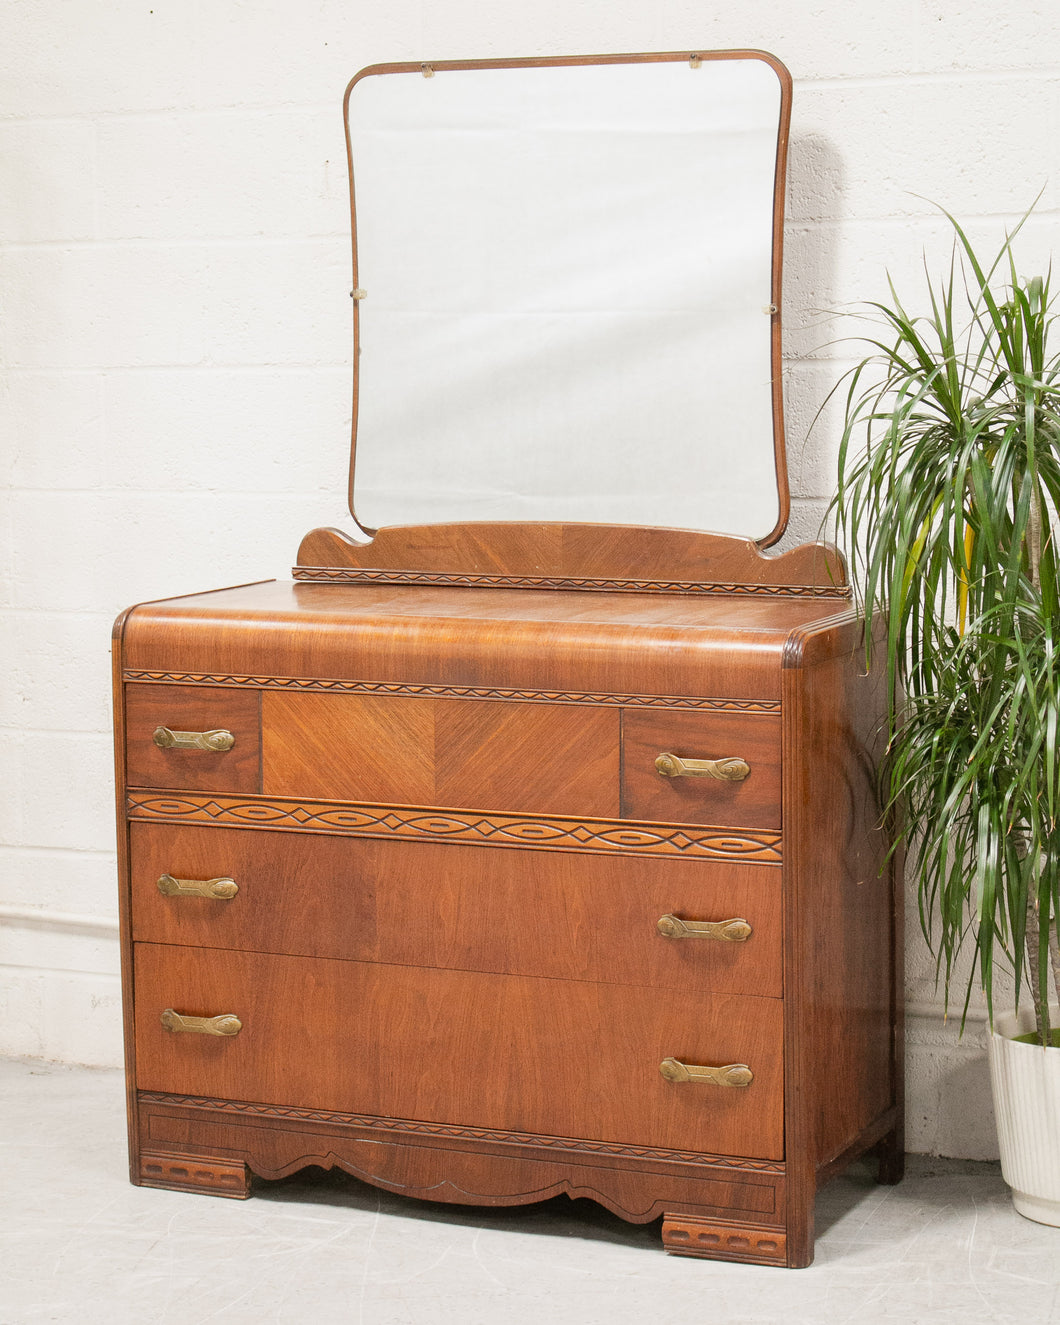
{"x":557,"y":1057}
{"x":423,"y":904}
{"x":183,"y":709}
{"x":753,"y":803}
{"x":616,"y":643}
{"x":584,"y":550}
{"x":480,"y":754}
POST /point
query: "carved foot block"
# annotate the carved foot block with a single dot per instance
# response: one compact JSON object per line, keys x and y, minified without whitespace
{"x":195,"y":1173}
{"x":685,"y":1235}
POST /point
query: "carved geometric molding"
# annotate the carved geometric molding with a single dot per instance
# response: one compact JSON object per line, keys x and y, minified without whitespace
{"x":454,"y":692}
{"x":406,"y":1125}
{"x":353,"y":575}
{"x":749,"y":845}
{"x":685,"y":1235}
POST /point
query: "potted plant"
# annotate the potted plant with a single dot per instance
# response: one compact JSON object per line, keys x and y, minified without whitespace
{"x":947,"y":504}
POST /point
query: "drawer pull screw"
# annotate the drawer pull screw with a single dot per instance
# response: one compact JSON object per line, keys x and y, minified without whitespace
{"x":219,"y":889}
{"x":726,"y":931}
{"x":215,"y":741}
{"x":722,"y":770}
{"x":732,"y":1074}
{"x":227,"y":1023}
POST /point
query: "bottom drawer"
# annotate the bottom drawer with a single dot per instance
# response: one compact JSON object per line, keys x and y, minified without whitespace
{"x":550,"y":1057}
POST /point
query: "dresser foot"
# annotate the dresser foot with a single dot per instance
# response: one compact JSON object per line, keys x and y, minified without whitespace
{"x":195,"y":1173}
{"x":688,"y":1235}
{"x":891,"y":1153}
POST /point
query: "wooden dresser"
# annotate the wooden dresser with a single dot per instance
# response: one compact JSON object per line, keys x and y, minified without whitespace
{"x":496,"y":859}
{"x":422,"y":877}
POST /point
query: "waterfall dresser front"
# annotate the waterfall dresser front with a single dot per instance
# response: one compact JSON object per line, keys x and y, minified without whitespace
{"x":495,"y":862}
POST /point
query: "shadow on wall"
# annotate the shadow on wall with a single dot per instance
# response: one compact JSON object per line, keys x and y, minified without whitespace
{"x":966,"y":1125}
{"x":815,"y":193}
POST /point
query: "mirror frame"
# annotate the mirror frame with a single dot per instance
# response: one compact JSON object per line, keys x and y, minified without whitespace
{"x":428,"y":68}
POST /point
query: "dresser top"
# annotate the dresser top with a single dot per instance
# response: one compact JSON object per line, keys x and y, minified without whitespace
{"x":725,"y":645}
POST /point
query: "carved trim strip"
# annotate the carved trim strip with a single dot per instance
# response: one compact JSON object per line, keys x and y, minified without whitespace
{"x":626,"y":837}
{"x":411,"y":1127}
{"x":454,"y":692}
{"x":355,"y":575}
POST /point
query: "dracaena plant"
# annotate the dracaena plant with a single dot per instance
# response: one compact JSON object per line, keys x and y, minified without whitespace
{"x":949,"y":488}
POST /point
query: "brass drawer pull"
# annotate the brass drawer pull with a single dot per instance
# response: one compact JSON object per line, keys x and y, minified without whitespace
{"x":723,"y":770}
{"x":220,"y":889}
{"x":215,"y":741}
{"x":732,"y":1074}
{"x":225,"y":1024}
{"x":726,"y":931}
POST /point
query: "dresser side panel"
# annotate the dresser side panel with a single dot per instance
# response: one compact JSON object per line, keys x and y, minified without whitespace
{"x":842,"y":911}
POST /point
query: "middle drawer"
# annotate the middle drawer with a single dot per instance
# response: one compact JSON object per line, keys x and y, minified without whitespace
{"x":521,"y":912}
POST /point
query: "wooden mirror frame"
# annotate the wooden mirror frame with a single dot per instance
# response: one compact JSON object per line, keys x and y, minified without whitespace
{"x":581,"y":555}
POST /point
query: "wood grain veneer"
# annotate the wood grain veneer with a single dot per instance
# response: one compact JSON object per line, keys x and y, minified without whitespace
{"x":755,"y":738}
{"x":673,"y":559}
{"x":638,"y":644}
{"x":461,"y":907}
{"x":425,"y":751}
{"x":205,"y":709}
{"x":522,"y":941}
{"x":542,"y":1056}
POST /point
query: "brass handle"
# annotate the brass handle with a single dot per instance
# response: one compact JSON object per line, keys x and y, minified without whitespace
{"x":730,"y":769}
{"x":727,"y":931}
{"x":732,"y":1074}
{"x":227,"y":1023}
{"x":220,"y":889}
{"x":215,"y":741}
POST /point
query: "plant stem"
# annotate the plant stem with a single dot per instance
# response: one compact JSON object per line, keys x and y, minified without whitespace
{"x":1033,"y":949}
{"x":1054,"y":959}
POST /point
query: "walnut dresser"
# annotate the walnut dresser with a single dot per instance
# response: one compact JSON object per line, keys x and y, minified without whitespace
{"x":500,"y":855}
{"x":419,"y":879}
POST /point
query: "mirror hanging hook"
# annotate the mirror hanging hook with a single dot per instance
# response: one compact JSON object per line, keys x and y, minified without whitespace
{"x":694,"y":61}
{"x":427,"y":70}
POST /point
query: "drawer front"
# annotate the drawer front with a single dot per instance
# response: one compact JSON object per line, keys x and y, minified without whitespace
{"x":751,"y":802}
{"x":196,"y":710}
{"x":585,"y":917}
{"x":485,"y":755}
{"x":549,"y":1057}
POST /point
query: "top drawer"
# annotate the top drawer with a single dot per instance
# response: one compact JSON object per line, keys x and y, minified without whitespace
{"x":193,"y":711}
{"x":702,"y":768}
{"x":381,"y":749}
{"x":592,"y":761}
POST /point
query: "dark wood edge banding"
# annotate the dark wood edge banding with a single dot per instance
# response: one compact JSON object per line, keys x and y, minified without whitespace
{"x":367,"y":575}
{"x":614,"y":836}
{"x":451,"y":692}
{"x":411,"y":1127}
{"x":820,"y":641}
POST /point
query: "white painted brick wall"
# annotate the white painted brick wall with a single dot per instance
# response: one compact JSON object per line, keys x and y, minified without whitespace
{"x":174,"y":351}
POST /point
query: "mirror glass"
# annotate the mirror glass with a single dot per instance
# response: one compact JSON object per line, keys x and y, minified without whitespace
{"x":568,"y":287}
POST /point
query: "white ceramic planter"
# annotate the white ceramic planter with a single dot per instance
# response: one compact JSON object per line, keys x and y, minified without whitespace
{"x":1026,"y":1082}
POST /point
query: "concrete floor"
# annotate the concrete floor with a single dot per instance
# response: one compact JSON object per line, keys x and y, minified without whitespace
{"x":79,"y":1244}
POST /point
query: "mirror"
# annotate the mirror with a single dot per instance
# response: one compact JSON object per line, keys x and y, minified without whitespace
{"x":568,"y":276}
